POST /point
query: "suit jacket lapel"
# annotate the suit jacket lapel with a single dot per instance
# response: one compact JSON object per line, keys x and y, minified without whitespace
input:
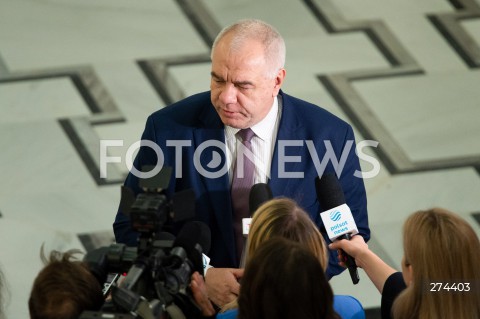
{"x":217,"y":187}
{"x":288,"y":132}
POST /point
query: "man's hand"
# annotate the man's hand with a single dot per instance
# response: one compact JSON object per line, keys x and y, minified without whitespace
{"x":199,"y":291}
{"x":223,"y":284}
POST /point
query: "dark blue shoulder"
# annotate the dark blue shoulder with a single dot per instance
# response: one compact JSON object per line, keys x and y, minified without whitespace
{"x":192,"y":111}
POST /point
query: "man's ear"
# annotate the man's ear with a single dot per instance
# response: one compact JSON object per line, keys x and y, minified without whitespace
{"x":279,"y":81}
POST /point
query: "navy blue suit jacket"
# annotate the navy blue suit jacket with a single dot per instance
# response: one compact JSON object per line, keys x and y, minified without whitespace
{"x":194,"y":119}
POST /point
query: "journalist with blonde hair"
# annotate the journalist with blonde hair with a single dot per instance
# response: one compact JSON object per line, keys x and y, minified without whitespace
{"x":440,"y":276}
{"x":282,"y":217}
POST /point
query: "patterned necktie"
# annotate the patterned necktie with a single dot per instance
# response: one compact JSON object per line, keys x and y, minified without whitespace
{"x":243,"y":177}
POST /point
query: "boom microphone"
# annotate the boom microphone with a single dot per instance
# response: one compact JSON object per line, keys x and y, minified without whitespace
{"x":337,"y":217}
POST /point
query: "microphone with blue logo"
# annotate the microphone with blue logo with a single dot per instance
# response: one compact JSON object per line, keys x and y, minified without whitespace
{"x":337,"y":217}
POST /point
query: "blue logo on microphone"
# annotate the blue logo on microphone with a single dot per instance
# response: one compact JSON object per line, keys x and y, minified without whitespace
{"x":335,"y":216}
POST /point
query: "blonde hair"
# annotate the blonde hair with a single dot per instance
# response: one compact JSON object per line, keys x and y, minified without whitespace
{"x":282,"y":217}
{"x":442,"y":248}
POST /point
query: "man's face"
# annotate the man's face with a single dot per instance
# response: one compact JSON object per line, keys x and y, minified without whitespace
{"x":240,"y":89}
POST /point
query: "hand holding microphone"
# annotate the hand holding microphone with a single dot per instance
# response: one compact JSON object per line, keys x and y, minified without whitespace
{"x":337,"y":217}
{"x":356,"y":247}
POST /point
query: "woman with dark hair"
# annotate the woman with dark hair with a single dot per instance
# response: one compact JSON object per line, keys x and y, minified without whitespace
{"x":284,"y":280}
{"x":64,"y":288}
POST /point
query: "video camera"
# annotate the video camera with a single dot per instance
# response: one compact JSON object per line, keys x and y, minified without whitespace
{"x":157,"y":273}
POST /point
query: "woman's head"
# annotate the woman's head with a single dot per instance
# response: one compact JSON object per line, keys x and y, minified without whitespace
{"x":439,"y":247}
{"x":282,"y":217}
{"x":64,"y":288}
{"x":275,"y":286}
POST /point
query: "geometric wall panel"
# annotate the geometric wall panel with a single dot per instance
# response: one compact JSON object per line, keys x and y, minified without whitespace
{"x":449,"y":25}
{"x":79,"y":128}
{"x":340,"y":86}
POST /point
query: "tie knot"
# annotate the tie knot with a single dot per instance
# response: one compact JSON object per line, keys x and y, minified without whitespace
{"x":246,"y":134}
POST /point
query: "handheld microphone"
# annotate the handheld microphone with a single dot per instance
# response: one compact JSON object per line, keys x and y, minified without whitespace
{"x":259,"y":194}
{"x":337,"y":217}
{"x":195,"y":238}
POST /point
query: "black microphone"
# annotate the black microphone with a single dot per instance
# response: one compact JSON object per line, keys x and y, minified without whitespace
{"x":97,"y":263}
{"x":259,"y":194}
{"x":195,"y":239}
{"x":337,"y":217}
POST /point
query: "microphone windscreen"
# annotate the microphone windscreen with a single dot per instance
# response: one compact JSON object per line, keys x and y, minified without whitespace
{"x":337,"y":218}
{"x":97,"y":263}
{"x":191,"y":234}
{"x":259,"y":194}
{"x":329,"y":191}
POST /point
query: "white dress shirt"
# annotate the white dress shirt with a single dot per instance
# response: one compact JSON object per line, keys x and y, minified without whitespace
{"x":263,"y":143}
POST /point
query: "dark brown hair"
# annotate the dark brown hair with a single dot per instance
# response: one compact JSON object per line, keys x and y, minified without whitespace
{"x":64,"y":288}
{"x":284,"y":280}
